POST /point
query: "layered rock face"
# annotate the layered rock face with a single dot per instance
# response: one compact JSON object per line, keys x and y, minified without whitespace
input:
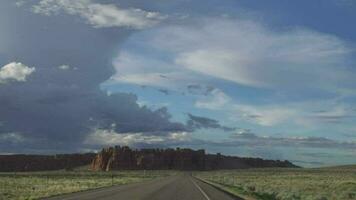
{"x":124,"y":158}
{"x":115,"y":158}
{"x":12,"y":163}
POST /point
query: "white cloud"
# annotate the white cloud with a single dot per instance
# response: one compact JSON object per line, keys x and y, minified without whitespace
{"x":312,"y":142}
{"x":327,"y":113}
{"x":346,"y":3}
{"x":217,"y":99}
{"x":251,"y":54}
{"x":334,"y":112}
{"x":244,"y":52}
{"x":264,"y":115}
{"x":64,"y":67}
{"x":20,"y":3}
{"x":148,"y":79}
{"x":307,"y":114}
{"x":15,"y":71}
{"x":110,"y":137}
{"x":11,"y":138}
{"x":100,"y":15}
{"x":141,"y":70}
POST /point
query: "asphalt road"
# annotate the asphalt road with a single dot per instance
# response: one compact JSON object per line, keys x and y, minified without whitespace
{"x":182,"y":187}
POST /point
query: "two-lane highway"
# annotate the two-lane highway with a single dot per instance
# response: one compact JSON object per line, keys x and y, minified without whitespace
{"x":182,"y":187}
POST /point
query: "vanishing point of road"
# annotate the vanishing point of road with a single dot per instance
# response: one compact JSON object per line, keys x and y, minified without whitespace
{"x":180,"y":187}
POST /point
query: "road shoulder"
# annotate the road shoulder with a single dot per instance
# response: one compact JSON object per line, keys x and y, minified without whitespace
{"x":224,"y":189}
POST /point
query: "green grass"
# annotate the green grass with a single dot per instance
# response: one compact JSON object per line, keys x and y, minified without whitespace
{"x":287,"y":184}
{"x":35,"y":185}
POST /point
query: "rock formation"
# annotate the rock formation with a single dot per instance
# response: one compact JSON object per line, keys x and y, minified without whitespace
{"x":124,"y":158}
{"x":118,"y":158}
{"x":114,"y":158}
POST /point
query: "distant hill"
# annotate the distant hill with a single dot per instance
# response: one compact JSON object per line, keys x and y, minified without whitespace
{"x":20,"y":162}
{"x":118,"y":158}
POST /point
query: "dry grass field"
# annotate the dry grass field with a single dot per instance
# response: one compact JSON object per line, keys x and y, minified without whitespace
{"x":335,"y":183}
{"x":35,"y":185}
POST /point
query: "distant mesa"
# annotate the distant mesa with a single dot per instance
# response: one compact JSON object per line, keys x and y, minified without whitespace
{"x":124,"y":158}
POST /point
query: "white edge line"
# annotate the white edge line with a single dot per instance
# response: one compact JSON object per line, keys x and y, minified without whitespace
{"x":202,"y":191}
{"x":85,"y":193}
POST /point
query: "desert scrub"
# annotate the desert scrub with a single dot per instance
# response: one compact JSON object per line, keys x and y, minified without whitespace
{"x":288,"y":184}
{"x":35,"y":185}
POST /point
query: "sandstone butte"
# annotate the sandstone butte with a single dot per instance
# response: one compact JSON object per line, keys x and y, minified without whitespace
{"x":124,"y":158}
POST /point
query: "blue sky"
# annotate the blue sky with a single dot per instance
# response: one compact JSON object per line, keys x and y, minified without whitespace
{"x":269,"y":79}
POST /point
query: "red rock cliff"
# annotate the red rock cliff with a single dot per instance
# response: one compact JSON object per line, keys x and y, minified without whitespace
{"x":116,"y":158}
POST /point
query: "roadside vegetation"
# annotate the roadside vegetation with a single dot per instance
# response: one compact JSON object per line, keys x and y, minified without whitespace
{"x":337,"y":183}
{"x":35,"y":185}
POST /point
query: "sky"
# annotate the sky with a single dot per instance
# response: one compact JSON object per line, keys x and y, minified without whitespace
{"x":273,"y":79}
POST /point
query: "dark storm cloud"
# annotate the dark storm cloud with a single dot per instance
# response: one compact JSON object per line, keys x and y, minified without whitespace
{"x":197,"y":122}
{"x":55,"y":109}
{"x":123,"y":111}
